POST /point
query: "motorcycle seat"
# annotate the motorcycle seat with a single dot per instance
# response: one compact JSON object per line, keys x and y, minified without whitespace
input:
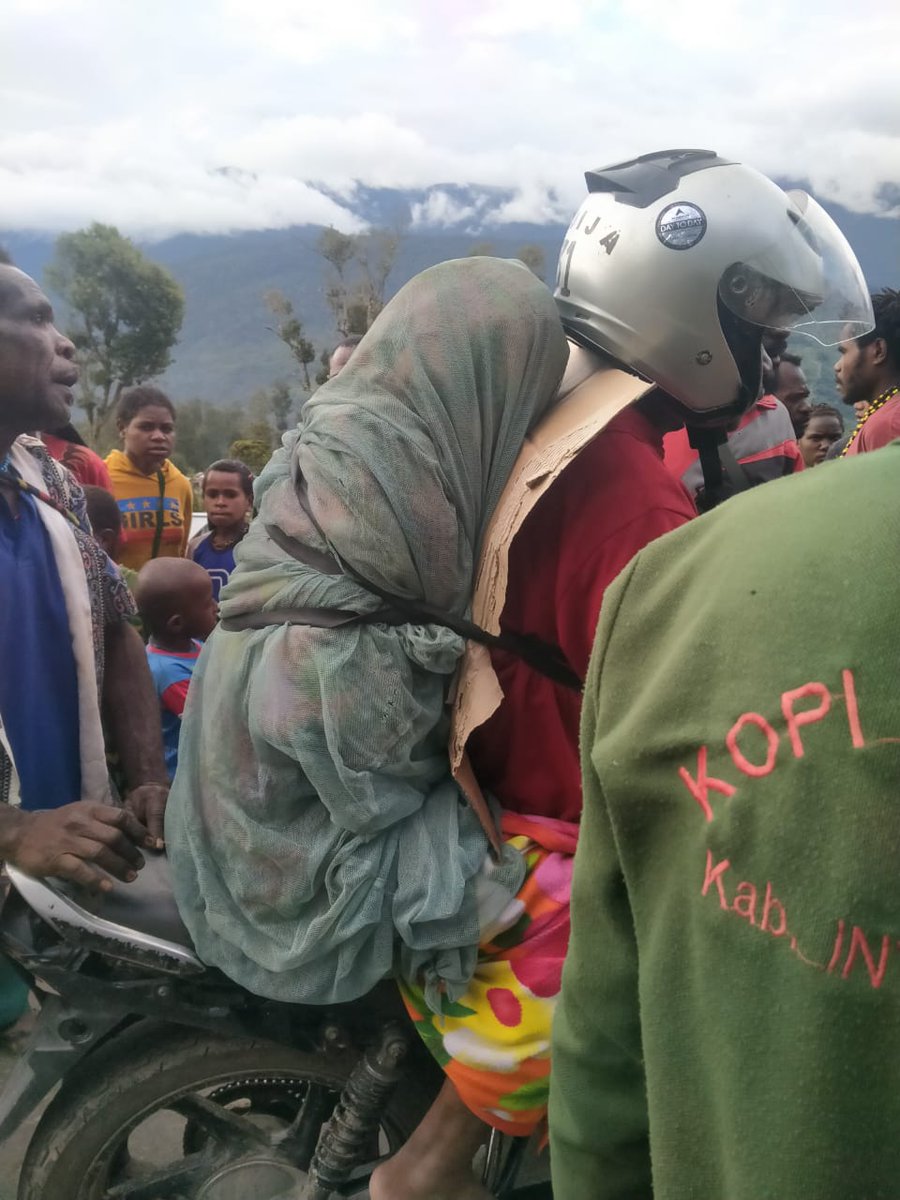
{"x":147,"y":905}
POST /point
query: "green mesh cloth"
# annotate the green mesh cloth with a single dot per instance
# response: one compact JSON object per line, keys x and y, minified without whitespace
{"x":317,"y":838}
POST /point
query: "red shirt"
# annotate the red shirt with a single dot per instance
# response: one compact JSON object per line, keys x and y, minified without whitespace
{"x":881,"y":428}
{"x":609,"y":503}
{"x":87,"y":467}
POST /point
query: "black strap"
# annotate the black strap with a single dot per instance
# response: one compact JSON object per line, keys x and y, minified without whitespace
{"x":541,"y":656}
{"x":160,"y":514}
{"x":737,"y":476}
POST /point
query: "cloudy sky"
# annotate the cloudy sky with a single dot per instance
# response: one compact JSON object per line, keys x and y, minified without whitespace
{"x":211,"y":115}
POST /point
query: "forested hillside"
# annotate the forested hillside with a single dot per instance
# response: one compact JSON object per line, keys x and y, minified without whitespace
{"x":228,"y":349}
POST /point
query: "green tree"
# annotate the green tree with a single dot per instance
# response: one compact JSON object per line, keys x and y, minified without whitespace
{"x":255,"y":452}
{"x":125,"y":313}
{"x":324,"y":367}
{"x":205,"y":431}
{"x":281,"y":402}
{"x":360,"y":266}
{"x":481,"y":250}
{"x":290,"y":329}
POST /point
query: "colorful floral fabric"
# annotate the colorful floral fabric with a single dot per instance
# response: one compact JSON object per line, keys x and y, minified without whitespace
{"x":494,"y":1041}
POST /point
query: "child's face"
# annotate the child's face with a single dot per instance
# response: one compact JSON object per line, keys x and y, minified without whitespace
{"x":199,"y":612}
{"x":149,"y":437}
{"x":224,"y":499}
{"x":820,"y":434}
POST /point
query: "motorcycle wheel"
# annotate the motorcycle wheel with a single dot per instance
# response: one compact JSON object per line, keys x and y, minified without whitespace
{"x":164,"y":1113}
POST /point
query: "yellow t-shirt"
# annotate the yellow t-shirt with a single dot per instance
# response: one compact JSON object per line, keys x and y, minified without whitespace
{"x":138,"y":498}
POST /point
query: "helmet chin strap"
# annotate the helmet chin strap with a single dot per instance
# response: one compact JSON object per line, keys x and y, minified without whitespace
{"x":707,"y":442}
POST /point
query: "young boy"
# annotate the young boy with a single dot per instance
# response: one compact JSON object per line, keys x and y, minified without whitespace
{"x":227,"y":490}
{"x":175,"y":600}
{"x":106,"y":526}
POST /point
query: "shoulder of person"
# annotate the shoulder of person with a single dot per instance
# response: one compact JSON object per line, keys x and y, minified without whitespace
{"x":197,"y":540}
{"x":59,"y":481}
{"x":175,"y":473}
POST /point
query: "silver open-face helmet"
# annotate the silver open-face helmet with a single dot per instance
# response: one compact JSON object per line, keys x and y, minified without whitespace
{"x":678,"y":262}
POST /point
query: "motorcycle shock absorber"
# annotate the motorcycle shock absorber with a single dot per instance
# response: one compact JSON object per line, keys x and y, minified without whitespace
{"x":348,"y":1132}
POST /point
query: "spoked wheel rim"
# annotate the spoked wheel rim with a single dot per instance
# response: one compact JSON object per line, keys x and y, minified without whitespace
{"x":225,"y":1136}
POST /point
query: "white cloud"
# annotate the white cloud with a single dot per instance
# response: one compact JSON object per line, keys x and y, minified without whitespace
{"x":440,"y":208}
{"x":128,"y":113}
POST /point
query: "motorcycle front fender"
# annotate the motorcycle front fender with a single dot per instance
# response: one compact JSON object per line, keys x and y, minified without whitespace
{"x":61,"y":1038}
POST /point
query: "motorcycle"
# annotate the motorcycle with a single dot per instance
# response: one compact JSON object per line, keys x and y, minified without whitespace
{"x":177,"y":1084}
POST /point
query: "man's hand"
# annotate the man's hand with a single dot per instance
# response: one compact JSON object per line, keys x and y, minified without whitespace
{"x":148,"y":803}
{"x":72,"y":842}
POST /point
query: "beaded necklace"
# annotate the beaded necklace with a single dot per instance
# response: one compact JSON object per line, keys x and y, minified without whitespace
{"x":873,"y":408}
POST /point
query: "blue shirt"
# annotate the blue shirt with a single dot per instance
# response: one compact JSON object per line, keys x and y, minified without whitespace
{"x":38,"y":679}
{"x":172,"y":676}
{"x":218,"y":563}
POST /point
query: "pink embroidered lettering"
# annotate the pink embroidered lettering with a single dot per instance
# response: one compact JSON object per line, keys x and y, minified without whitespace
{"x":770,"y":904}
{"x":703,"y":784}
{"x":755,"y":770}
{"x":858,"y":942}
{"x":745,"y":902}
{"x":856,"y":733}
{"x":714,"y":875}
{"x":808,"y":716}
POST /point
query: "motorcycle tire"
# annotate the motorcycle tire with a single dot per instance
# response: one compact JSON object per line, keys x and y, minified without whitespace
{"x":132,"y":1076}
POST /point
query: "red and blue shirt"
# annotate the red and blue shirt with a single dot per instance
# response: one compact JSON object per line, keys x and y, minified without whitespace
{"x":172,"y":676}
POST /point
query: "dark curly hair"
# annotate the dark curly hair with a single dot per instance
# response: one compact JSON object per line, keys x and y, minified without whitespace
{"x":143,"y":396}
{"x":886,"y":304}
{"x":232,"y":466}
{"x":826,"y":410}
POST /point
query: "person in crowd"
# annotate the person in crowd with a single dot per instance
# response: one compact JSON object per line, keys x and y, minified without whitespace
{"x":614,"y":498}
{"x":106,"y":525}
{"x":790,"y":387}
{"x":763,"y":447}
{"x":342,"y":353}
{"x":155,"y":499}
{"x":227,"y":491}
{"x":775,"y":344}
{"x":730,"y":1014}
{"x":337,"y":736}
{"x":176,"y":603}
{"x":868,"y":372}
{"x":67,"y":446}
{"x":65,"y":641}
{"x":824,"y":429}
{"x":306,"y":531}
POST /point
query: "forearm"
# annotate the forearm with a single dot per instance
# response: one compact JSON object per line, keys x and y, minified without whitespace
{"x":11,"y":822}
{"x":131,"y":708}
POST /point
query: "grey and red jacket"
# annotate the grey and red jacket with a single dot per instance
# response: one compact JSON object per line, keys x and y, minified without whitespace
{"x":763,"y":443}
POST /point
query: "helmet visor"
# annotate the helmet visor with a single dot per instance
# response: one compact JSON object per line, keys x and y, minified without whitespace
{"x":806,"y":281}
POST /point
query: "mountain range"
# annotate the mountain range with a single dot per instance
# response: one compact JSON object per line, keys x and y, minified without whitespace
{"x":227,"y":349}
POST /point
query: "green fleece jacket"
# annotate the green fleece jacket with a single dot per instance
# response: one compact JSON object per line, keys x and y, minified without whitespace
{"x":729,"y":1027}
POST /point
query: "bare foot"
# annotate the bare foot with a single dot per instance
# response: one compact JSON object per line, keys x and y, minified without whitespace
{"x":393,"y":1181}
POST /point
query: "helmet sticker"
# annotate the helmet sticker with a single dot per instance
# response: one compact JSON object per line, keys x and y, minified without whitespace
{"x":681,"y":226}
